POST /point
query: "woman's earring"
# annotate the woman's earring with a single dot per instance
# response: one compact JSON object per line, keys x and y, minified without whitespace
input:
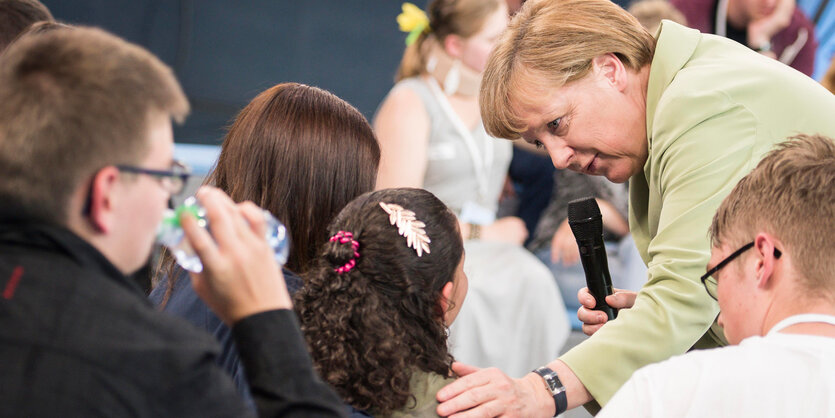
{"x":453,"y":78}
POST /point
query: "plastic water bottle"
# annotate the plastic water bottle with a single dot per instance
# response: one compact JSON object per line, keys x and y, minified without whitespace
{"x":170,"y":234}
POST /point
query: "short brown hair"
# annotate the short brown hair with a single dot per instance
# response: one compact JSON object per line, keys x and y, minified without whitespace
{"x":556,"y":41}
{"x":72,"y":102}
{"x":446,"y":17}
{"x":790,"y":194}
{"x":17,"y":15}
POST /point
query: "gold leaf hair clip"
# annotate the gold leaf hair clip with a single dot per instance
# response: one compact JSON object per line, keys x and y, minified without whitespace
{"x":409,"y":227}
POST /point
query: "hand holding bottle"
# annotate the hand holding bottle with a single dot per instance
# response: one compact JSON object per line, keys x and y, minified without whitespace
{"x":240,"y":276}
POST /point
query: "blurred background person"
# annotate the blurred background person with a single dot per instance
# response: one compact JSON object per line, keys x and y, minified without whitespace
{"x":299,"y":152}
{"x":376,"y":308}
{"x":432,"y":137}
{"x":651,"y":12}
{"x":775,"y":28}
{"x":822,"y":14}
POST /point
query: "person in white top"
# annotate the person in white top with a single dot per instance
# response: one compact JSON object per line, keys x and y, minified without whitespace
{"x":772,"y":269}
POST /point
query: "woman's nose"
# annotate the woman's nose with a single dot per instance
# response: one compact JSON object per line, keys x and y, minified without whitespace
{"x":560,"y":156}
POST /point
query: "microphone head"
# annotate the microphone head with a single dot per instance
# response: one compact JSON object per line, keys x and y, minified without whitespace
{"x":584,"y":218}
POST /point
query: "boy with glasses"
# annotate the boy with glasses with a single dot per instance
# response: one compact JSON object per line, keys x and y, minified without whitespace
{"x":772,"y":269}
{"x":86,"y":171}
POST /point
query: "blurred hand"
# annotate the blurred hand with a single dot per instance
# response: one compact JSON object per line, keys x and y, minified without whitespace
{"x":508,"y":229}
{"x":592,"y":320}
{"x":763,"y":28}
{"x":564,"y":247}
{"x":491,"y":393}
{"x":240,"y":276}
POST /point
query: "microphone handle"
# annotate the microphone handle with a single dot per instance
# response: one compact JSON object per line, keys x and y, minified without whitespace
{"x":598,"y":280}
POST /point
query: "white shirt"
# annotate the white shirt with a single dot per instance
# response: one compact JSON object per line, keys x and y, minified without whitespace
{"x":779,"y":375}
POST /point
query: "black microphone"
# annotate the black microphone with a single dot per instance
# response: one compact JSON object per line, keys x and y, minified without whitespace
{"x":587,"y":225}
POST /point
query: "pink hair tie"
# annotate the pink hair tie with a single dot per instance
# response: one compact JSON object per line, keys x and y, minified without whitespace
{"x":344,"y":237}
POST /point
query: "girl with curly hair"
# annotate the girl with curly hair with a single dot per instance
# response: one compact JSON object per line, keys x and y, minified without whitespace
{"x":376,"y":306}
{"x":300,"y":152}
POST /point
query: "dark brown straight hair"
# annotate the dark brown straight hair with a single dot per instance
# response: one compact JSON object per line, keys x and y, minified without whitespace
{"x":302,"y":153}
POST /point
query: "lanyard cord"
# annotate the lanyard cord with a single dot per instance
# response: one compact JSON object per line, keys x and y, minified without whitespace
{"x":479,"y":165}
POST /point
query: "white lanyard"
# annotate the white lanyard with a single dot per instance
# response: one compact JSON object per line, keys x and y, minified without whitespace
{"x":480,"y":165}
{"x":721,"y":18}
{"x":802,"y":319}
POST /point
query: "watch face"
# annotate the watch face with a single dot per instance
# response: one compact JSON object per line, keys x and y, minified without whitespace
{"x":551,"y":379}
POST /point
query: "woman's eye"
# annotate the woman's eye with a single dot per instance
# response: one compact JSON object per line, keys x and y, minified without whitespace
{"x":538,"y":144}
{"x":554,"y":124}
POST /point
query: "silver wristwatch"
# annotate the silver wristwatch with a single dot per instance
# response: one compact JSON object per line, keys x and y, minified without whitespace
{"x":552,"y":381}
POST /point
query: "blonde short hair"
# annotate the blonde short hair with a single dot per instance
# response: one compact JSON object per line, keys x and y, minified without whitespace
{"x":556,"y":41}
{"x":790,"y":195}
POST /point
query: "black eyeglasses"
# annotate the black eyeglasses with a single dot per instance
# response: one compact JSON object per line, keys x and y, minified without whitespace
{"x":709,"y":281}
{"x":173,"y":181}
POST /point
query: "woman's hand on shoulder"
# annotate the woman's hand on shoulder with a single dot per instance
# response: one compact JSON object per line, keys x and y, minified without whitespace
{"x":491,"y":393}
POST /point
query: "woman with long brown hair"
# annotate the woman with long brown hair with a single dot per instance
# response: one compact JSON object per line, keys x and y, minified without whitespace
{"x":300,"y":152}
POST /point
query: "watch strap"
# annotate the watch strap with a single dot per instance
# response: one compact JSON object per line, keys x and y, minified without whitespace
{"x":553,"y":383}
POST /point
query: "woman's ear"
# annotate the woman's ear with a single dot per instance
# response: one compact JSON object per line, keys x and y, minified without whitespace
{"x":610,"y":68}
{"x":453,"y":45}
{"x":446,"y":299}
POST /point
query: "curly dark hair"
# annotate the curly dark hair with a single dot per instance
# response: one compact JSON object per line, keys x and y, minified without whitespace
{"x":369,"y":328}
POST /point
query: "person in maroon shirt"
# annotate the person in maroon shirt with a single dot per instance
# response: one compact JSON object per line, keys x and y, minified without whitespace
{"x":772,"y":27}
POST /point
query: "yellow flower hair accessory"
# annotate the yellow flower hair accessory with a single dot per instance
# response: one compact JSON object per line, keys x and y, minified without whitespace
{"x":413,"y":20}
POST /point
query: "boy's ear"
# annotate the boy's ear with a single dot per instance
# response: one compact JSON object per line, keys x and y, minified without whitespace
{"x":102,"y":198}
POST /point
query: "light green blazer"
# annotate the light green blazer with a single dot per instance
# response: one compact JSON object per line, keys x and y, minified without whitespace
{"x":714,"y":108}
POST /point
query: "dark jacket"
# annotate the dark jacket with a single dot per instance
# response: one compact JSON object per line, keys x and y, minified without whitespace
{"x":78,"y":338}
{"x":183,"y":302}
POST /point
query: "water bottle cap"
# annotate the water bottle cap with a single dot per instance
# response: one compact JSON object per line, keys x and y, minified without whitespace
{"x":172,"y":218}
